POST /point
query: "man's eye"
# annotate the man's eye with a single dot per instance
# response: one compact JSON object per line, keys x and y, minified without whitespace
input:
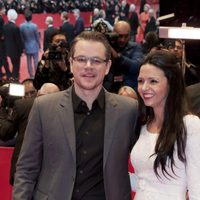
{"x":96,"y":61}
{"x":81,"y":59}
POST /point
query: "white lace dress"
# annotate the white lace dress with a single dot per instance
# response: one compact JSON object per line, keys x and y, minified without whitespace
{"x":149,"y":187}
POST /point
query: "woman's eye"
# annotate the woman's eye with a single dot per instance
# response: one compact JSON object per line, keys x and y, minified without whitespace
{"x":140,"y":81}
{"x":154,"y":81}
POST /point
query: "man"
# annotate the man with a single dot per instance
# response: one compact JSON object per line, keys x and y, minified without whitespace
{"x":31,"y":42}
{"x":151,"y":25}
{"x":77,"y":145}
{"x":29,"y":89}
{"x":191,"y":72}
{"x":13,"y":42}
{"x":7,"y":130}
{"x":79,"y":24}
{"x":15,"y":124}
{"x":127,"y":57}
{"x":194,"y":96}
{"x":134,"y":21}
{"x":101,"y":24}
{"x":3,"y":56}
{"x":95,"y":15}
{"x":124,"y":10}
{"x":48,"y":32}
{"x":67,"y":27}
{"x":54,"y":65}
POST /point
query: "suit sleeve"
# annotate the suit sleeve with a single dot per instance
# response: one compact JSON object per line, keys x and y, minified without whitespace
{"x":30,"y":158}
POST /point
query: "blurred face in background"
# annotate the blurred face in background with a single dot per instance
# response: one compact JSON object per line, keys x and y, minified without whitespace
{"x":30,"y":90}
{"x":2,"y":11}
{"x":57,"y":39}
{"x":177,"y":49}
{"x":123,"y":29}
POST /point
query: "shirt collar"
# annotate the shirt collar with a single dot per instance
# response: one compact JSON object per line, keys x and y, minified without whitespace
{"x":77,"y":101}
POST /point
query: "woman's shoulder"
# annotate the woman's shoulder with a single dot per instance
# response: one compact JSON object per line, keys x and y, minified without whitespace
{"x":192,"y":123}
{"x":190,"y":118}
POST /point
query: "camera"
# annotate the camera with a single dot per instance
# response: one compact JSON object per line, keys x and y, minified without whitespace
{"x":10,"y":92}
{"x":54,"y":55}
{"x":112,"y":38}
{"x":55,"y":51}
{"x":102,"y":27}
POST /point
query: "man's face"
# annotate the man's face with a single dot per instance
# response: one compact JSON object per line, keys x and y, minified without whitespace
{"x":89,"y":65}
{"x":30,"y":91}
{"x":57,"y":39}
{"x":177,"y":49}
{"x":2,"y":11}
{"x":124,"y":34}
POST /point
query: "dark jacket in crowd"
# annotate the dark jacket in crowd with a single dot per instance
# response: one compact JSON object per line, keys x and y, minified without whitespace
{"x":15,"y":124}
{"x":52,"y":74}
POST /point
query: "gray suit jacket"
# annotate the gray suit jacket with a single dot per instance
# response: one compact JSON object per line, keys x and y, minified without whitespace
{"x":46,"y":167}
{"x":193,"y":92}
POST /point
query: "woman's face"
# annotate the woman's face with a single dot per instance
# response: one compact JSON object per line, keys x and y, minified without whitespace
{"x":153,"y":86}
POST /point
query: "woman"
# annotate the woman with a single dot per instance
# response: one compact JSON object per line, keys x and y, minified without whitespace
{"x":143,"y":18}
{"x":166,"y":150}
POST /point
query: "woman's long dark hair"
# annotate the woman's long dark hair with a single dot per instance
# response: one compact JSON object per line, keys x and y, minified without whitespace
{"x":173,"y":130}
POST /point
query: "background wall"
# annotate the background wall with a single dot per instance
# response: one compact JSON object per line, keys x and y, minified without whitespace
{"x":186,"y":11}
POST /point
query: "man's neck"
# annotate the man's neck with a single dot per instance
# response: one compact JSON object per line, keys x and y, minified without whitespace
{"x":89,"y":96}
{"x":65,"y":21}
{"x":12,"y":21}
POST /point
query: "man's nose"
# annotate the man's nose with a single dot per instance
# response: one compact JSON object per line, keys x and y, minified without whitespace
{"x":88,"y":63}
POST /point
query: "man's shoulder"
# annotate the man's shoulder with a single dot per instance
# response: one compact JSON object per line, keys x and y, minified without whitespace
{"x":20,"y":102}
{"x":132,"y":44}
{"x":121,"y":100}
{"x":54,"y":98}
{"x":193,"y":90}
{"x":49,"y":29}
{"x":9,"y":24}
{"x":23,"y":105}
{"x":23,"y":24}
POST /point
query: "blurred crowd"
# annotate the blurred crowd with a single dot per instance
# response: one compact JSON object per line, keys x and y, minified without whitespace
{"x":51,"y":6}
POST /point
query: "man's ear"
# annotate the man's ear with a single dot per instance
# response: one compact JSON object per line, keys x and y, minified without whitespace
{"x":108,"y":65}
{"x":71,"y":64}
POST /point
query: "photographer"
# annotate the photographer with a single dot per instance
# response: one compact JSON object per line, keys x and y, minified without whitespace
{"x":126,"y":58}
{"x":54,"y":65}
{"x":6,"y":110}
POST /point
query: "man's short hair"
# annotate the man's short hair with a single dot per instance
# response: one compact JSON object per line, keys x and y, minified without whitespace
{"x":91,"y":36}
{"x":64,"y":15}
{"x":49,"y":20}
{"x":28,"y":15}
{"x":12,"y":15}
{"x":57,"y":32}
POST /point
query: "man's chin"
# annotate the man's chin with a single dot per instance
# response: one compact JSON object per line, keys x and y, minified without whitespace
{"x":122,"y":46}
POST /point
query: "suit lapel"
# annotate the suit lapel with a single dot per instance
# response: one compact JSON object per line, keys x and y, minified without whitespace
{"x":110,"y":124}
{"x":67,"y":121}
